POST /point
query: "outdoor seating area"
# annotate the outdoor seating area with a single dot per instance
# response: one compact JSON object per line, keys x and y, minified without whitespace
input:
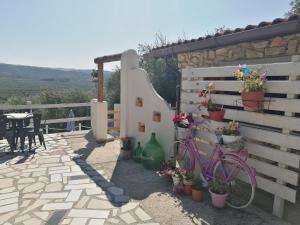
{"x":17,"y":127}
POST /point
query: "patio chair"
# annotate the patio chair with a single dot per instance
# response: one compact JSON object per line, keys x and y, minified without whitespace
{"x":6,"y":133}
{"x":35,"y":131}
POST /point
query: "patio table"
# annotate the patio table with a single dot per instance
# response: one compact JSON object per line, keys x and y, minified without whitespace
{"x":17,"y":120}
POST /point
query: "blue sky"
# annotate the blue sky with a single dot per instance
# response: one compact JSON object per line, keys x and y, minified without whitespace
{"x":70,"y":33}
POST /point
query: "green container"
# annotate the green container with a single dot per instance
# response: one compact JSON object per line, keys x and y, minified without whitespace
{"x":153,"y":154}
{"x":137,"y":153}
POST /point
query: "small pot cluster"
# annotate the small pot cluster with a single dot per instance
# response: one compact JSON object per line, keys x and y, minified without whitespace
{"x":184,"y":183}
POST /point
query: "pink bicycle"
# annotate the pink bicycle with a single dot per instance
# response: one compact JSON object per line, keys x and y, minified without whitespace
{"x":229,"y":167}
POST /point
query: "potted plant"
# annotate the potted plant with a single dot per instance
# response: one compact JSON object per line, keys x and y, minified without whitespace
{"x":215,"y":111}
{"x":126,"y":147}
{"x":231,"y":133}
{"x":252,"y":90}
{"x":218,"y":193}
{"x":198,"y":190}
{"x":166,"y":170}
{"x":182,"y":121}
{"x":187,"y":182}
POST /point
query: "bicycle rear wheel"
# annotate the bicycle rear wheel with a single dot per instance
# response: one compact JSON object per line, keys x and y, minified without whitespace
{"x":238,"y":179}
{"x":184,"y":156}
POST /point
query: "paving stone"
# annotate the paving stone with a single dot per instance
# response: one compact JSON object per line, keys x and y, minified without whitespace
{"x":21,"y":186}
{"x":9,"y":195}
{"x":113,"y":220}
{"x":22,"y":218}
{"x":74,"y":195}
{"x":79,"y":221}
{"x":38,"y":174}
{"x":44,"y":161}
{"x":129,"y":206}
{"x":53,"y":195}
{"x":25,"y":203}
{"x":13,"y":174}
{"x":7,"y":190}
{"x":100,"y":204}
{"x":54,"y":187}
{"x":58,"y":168}
{"x":7,"y":216}
{"x":66,"y":221}
{"x":76,"y":173}
{"x":8,"y":208}
{"x":96,"y":222}
{"x":6,"y":182}
{"x":33,"y":187}
{"x":115,"y":212}
{"x":42,"y":178}
{"x":82,"y":202}
{"x":56,"y":178}
{"x":42,"y":215}
{"x":25,"y":175}
{"x":93,"y":191}
{"x":34,"y":196}
{"x":59,"y":171}
{"x":127,"y":218}
{"x":81,"y":181}
{"x":75,"y":168}
{"x":57,"y":206}
{"x":26,"y":180}
{"x":8,"y":201}
{"x":36,"y":204}
{"x":79,"y":186}
{"x":51,"y":165}
{"x":89,"y":213}
{"x":79,"y":177}
{"x":148,"y":224}
{"x":34,"y":170}
{"x":32,"y":221}
{"x":142,"y":215}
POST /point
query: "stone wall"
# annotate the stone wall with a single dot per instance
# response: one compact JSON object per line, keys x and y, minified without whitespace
{"x":278,"y":46}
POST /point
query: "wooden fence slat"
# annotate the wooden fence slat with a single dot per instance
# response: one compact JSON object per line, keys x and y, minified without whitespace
{"x":285,"y":87}
{"x":274,"y":69}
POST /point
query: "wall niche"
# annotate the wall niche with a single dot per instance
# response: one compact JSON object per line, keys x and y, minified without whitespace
{"x":139,"y":102}
{"x":156,"y":116}
{"x":141,"y":127}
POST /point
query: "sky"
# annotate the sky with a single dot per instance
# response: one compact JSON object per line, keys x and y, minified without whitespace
{"x":71,"y":33}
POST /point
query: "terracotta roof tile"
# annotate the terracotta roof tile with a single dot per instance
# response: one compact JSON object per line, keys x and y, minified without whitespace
{"x":237,"y":30}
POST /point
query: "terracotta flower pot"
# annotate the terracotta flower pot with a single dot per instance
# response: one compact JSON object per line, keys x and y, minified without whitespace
{"x":253,"y":101}
{"x":187,"y":189}
{"x":218,"y":200}
{"x":197,"y":195}
{"x":217,"y":115}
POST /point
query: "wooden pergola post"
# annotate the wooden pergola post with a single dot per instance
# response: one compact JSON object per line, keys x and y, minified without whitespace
{"x":100,"y":82}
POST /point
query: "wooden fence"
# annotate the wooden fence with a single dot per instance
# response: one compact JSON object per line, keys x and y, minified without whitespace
{"x":273,"y":139}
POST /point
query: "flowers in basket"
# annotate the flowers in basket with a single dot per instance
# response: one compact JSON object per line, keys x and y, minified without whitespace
{"x":253,"y":86}
{"x":230,"y":133}
{"x":182,"y":120}
{"x":215,"y":111}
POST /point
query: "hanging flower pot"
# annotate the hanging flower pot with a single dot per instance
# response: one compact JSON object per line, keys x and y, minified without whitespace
{"x":217,"y":115}
{"x":228,"y":139}
{"x":253,"y":101}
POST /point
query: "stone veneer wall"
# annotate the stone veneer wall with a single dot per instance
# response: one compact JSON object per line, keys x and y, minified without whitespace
{"x":278,"y":46}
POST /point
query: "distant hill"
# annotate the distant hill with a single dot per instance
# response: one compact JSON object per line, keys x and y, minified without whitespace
{"x":25,"y":80}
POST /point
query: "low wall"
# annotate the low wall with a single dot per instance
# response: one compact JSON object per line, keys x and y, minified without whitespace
{"x":143,"y":111}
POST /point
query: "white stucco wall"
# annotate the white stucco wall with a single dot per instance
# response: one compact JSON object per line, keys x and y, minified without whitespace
{"x":135,"y":83}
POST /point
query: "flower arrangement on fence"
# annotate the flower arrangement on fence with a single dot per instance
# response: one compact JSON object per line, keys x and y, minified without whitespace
{"x":230,"y":133}
{"x":253,"y":86}
{"x":182,"y":120}
{"x":215,"y":111}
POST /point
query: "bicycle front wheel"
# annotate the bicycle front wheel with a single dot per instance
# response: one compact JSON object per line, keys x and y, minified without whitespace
{"x":238,"y":179}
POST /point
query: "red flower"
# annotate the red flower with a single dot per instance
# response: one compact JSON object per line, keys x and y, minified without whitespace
{"x":202,"y":93}
{"x":204,"y":102}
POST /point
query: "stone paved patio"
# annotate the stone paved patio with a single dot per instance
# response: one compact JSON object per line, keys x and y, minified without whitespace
{"x":78,"y":181}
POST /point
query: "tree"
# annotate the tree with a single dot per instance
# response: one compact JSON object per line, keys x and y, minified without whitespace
{"x":163,"y":72}
{"x":112,"y":88}
{"x":295,"y":7}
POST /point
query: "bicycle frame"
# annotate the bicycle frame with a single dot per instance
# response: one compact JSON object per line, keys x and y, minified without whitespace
{"x":217,"y":154}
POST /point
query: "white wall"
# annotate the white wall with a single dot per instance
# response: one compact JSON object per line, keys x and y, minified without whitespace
{"x":135,"y":83}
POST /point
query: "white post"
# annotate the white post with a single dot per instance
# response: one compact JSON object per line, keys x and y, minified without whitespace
{"x":47,"y":128}
{"x":99,"y":119}
{"x":29,"y":103}
{"x":79,"y":126}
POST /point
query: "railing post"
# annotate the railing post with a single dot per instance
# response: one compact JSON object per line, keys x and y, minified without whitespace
{"x":47,"y":128}
{"x":79,"y":126}
{"x":29,"y":103}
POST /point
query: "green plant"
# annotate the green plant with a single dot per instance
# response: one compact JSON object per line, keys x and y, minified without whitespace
{"x":216,"y":186}
{"x":199,"y":185}
{"x":232,"y":129}
{"x":209,"y":103}
{"x":252,"y":80}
